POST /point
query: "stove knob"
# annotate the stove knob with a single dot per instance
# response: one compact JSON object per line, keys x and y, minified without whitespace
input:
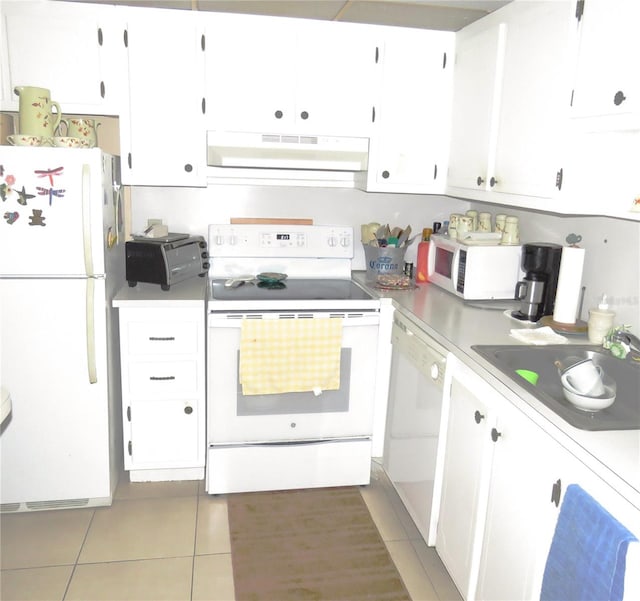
{"x":345,"y":242}
{"x":233,"y":239}
{"x":331,"y":241}
{"x":219,"y":240}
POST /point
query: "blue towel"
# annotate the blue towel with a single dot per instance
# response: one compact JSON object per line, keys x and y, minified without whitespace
{"x":588,"y":552}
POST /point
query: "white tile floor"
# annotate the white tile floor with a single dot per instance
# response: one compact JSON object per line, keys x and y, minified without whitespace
{"x":171,"y":541}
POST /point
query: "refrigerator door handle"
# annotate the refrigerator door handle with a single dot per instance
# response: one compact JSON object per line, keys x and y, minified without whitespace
{"x":91,"y":331}
{"x":86,"y":220}
{"x":88,"y":266}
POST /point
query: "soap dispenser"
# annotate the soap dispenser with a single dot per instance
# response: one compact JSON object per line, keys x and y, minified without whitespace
{"x":600,"y":321}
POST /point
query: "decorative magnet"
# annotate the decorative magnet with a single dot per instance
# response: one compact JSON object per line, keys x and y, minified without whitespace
{"x":11,"y":217}
{"x":37,"y":218}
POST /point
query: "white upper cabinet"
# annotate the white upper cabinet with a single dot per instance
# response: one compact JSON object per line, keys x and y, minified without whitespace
{"x":534,"y":99}
{"x":409,"y":143}
{"x":72,"y":49}
{"x":511,"y":98}
{"x":607,"y":82}
{"x":288,"y":76}
{"x":163,"y":134}
{"x":477,"y":78}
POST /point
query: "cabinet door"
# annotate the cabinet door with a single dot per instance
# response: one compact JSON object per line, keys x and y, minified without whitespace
{"x":467,"y":463}
{"x":477,"y":79}
{"x":520,"y":515}
{"x":72,"y":49}
{"x":288,"y":76}
{"x":607,"y":83}
{"x":163,"y":131}
{"x":250,"y":70}
{"x":334,"y":78}
{"x":409,"y":145}
{"x":164,"y":434}
{"x":534,"y":99}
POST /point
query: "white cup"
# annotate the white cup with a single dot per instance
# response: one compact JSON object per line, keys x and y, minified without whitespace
{"x":584,"y":378}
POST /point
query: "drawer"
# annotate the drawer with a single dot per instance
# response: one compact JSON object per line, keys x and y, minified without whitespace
{"x":163,"y":338}
{"x":163,"y":379}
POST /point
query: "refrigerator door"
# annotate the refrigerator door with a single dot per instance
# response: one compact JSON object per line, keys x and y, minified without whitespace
{"x":54,"y":448}
{"x":52,"y":211}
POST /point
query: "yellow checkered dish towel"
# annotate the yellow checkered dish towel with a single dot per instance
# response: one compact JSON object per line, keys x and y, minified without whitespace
{"x":290,"y":355}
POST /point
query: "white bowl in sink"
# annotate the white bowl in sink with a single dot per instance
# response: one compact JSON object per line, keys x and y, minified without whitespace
{"x":590,"y":403}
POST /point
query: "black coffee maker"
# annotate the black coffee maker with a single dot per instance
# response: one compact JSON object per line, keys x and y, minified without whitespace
{"x":537,"y":289}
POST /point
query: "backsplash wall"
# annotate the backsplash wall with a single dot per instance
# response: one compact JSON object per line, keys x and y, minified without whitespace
{"x":612,"y":259}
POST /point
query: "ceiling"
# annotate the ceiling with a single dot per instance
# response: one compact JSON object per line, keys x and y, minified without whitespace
{"x":446,"y":15}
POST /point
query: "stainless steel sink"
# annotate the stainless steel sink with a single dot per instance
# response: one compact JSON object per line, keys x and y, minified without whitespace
{"x":624,"y":414}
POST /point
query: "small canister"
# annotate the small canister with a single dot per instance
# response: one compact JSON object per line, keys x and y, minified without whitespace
{"x":484,"y":222}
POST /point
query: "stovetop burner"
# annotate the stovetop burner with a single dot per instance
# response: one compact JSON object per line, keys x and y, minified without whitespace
{"x":292,"y":289}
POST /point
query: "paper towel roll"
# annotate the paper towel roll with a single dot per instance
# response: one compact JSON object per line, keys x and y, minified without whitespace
{"x":569,"y":285}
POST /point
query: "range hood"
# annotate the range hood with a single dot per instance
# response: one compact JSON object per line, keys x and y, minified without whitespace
{"x":276,"y":151}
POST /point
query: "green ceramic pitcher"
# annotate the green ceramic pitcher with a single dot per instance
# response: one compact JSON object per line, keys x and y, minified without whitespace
{"x":35,"y":116}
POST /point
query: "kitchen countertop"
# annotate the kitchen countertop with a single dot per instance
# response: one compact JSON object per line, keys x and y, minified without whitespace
{"x":457,"y":324}
{"x":188,"y":293}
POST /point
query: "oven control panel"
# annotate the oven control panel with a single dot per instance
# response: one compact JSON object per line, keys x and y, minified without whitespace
{"x":295,"y":241}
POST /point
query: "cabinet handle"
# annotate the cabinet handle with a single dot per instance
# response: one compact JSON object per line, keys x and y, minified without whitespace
{"x":619,"y":98}
{"x":559,"y":176}
{"x":444,"y":60}
{"x":162,"y":378}
{"x":100,"y":39}
{"x":479,"y":181}
{"x":556,"y":492}
{"x":304,"y":115}
{"x":130,"y":448}
{"x":161,"y":338}
{"x":129,"y":160}
{"x":278,"y":114}
{"x":128,"y":414}
{"x":188,"y":167}
{"x":495,"y":435}
{"x":385,"y":174}
{"x":493,"y":181}
{"x":202,"y":42}
{"x":204,"y":106}
{"x":125,"y":38}
{"x":102,"y":89}
{"x":478,"y":417}
{"x":373,"y":114}
{"x":435,"y":172}
{"x":188,"y":410}
{"x":377,"y":54}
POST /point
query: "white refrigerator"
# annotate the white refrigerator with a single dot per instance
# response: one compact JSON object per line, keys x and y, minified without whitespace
{"x":61,"y":262}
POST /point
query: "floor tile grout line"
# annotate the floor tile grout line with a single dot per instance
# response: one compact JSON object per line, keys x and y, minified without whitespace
{"x":75,"y":564}
{"x":195,"y":545}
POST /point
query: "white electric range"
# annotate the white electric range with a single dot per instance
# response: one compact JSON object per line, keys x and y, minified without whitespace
{"x":278,"y":438}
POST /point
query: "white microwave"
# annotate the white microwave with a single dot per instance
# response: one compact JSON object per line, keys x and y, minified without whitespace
{"x":474,"y":271}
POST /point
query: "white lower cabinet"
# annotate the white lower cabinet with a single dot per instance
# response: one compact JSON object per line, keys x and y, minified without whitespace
{"x":163,"y":392}
{"x":503,"y":485}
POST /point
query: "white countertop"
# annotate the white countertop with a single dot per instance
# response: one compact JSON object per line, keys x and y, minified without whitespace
{"x":457,"y":324}
{"x":188,"y":293}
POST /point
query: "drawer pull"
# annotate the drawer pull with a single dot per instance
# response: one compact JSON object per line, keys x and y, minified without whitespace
{"x":162,"y":338}
{"x":162,"y":377}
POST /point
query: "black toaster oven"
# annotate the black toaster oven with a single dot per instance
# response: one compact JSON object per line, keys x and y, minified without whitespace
{"x":166,"y":261}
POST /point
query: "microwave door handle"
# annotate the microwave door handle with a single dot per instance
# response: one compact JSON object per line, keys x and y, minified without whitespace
{"x":454,"y":269}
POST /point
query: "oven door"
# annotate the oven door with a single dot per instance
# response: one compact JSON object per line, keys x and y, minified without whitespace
{"x":235,"y":418}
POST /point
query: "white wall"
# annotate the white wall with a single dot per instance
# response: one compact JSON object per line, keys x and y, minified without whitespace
{"x":191,"y":210}
{"x":612,"y":246}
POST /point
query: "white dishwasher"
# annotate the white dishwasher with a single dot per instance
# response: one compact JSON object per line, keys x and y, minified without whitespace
{"x":413,"y":421}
